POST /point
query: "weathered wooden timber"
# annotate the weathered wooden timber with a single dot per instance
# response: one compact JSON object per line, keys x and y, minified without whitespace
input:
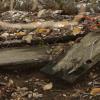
{"x":78,"y":60}
{"x":23,"y":57}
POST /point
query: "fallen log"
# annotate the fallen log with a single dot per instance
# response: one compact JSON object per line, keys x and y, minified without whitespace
{"x":51,"y":24}
{"x":78,"y":60}
{"x":23,"y":57}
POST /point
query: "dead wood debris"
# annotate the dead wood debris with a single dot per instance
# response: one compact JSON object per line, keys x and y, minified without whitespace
{"x":44,"y":24}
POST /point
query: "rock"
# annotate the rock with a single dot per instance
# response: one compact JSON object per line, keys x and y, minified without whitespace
{"x":48,"y":86}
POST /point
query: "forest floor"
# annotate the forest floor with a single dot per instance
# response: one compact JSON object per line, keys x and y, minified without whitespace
{"x":30,"y":86}
{"x":34,"y":85}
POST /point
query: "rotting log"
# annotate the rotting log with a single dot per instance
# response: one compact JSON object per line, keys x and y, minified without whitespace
{"x":23,"y":57}
{"x":78,"y":59}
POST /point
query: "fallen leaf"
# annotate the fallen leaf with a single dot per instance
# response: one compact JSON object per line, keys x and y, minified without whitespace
{"x":95,"y":91}
{"x":42,"y":30}
{"x":76,"y":30}
{"x":48,"y":86}
{"x":62,"y":24}
{"x":20,"y":34}
{"x":5,"y":35}
{"x":28,"y":38}
{"x":93,"y":27}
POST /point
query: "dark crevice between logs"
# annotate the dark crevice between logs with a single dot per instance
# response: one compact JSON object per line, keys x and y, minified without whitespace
{"x":47,"y":40}
{"x":24,"y":65}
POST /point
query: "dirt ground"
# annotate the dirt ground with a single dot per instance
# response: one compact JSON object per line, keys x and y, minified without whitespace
{"x":22,"y":85}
